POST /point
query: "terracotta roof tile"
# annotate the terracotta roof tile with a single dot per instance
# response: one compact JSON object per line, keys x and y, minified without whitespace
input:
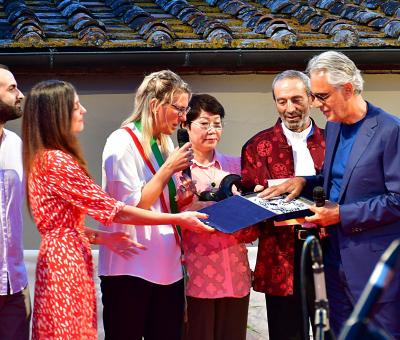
{"x":392,"y":28}
{"x":372,"y":4}
{"x":390,"y":7}
{"x":209,"y":28}
{"x":26,"y":26}
{"x":151,"y":29}
{"x":199,"y":25}
{"x":80,"y":19}
{"x":364,"y":17}
{"x":276,"y":29}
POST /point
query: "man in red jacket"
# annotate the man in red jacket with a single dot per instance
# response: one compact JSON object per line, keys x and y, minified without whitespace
{"x":294,"y":146}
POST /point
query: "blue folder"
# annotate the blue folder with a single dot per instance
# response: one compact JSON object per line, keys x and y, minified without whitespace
{"x":237,"y":212}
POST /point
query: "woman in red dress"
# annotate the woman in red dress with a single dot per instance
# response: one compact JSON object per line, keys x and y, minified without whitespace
{"x":60,"y":194}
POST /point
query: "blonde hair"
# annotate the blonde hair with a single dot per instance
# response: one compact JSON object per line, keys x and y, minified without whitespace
{"x":163,"y":86}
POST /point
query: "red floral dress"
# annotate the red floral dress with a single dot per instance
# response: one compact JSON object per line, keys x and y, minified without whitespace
{"x":60,"y":194}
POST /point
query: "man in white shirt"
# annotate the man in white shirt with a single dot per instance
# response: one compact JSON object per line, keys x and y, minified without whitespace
{"x":15,"y":307}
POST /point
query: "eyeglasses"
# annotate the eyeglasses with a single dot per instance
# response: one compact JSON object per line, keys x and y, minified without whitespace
{"x":322,"y":97}
{"x":207,"y":126}
{"x":181,"y":110}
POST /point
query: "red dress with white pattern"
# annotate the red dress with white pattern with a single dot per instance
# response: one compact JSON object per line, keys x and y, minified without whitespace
{"x":60,"y":194}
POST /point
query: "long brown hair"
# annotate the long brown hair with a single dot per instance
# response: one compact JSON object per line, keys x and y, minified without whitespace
{"x":46,"y":123}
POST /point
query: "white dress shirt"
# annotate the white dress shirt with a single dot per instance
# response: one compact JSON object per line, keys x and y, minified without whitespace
{"x":12,"y":266}
{"x":303,"y":162}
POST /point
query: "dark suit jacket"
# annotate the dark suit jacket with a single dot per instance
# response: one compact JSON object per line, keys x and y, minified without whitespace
{"x":369,"y":198}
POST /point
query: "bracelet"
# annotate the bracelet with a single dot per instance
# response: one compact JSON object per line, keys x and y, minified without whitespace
{"x":93,"y":237}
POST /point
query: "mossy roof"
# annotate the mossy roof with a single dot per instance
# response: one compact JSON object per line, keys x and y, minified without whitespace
{"x":199,"y":25}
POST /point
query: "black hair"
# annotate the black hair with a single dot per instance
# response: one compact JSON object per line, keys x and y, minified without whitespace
{"x":204,"y":102}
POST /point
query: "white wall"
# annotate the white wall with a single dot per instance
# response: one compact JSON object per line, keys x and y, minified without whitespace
{"x":247,"y":100}
{"x":257,"y":327}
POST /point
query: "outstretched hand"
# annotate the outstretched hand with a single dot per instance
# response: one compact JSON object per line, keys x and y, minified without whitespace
{"x":120,"y":243}
{"x":190,"y":220}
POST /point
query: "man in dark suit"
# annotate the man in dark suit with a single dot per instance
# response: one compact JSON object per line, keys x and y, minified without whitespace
{"x":362,"y":180}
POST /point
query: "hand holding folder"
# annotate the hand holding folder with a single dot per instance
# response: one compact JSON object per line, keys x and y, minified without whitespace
{"x":238,"y":212}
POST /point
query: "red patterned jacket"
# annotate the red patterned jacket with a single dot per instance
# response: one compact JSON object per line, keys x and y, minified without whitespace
{"x":268,"y":156}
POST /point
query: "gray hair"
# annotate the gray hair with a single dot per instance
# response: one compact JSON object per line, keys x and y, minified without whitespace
{"x":339,"y":69}
{"x":292,"y":74}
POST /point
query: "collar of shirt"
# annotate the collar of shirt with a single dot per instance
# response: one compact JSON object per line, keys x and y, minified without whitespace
{"x":293,"y":136}
{"x":303,"y":162}
{"x":216,"y":162}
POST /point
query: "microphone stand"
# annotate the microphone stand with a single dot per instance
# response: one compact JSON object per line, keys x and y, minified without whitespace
{"x":321,"y":301}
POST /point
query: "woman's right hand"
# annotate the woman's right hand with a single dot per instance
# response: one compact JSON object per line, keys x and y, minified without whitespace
{"x":180,"y":158}
{"x":189,"y":220}
{"x":186,"y":192}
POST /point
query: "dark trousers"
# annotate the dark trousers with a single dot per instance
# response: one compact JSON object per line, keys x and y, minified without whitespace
{"x":134,"y":308}
{"x":217,"y":319}
{"x":15,"y":315}
{"x":284,"y":313}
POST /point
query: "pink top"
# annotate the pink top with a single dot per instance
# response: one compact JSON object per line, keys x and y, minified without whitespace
{"x":217,"y":264}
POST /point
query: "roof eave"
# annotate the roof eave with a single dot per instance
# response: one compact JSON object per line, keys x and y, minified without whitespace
{"x":52,"y":60}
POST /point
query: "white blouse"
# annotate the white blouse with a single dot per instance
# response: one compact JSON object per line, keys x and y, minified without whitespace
{"x":124,"y":175}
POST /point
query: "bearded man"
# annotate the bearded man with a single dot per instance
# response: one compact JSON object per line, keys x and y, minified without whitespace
{"x":294,"y":146}
{"x":15,"y":307}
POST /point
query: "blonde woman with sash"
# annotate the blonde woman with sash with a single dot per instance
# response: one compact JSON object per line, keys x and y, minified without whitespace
{"x":143,"y":296}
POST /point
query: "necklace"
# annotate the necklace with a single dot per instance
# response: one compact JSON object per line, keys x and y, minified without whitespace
{"x":210,"y":172}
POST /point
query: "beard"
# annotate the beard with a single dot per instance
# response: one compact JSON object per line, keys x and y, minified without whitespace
{"x":9,"y":112}
{"x":298,"y":125}
{"x":295,"y":126}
